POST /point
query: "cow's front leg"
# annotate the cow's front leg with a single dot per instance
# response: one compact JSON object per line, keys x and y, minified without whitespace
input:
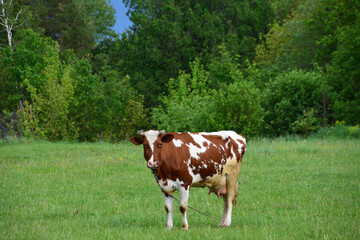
{"x":184,"y":197}
{"x":169,"y":209}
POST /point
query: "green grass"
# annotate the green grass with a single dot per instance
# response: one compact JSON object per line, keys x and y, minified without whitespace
{"x":299,"y":189}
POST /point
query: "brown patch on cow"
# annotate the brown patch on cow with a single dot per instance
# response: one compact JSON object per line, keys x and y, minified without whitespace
{"x":165,"y":183}
{"x":183,"y":209}
{"x":173,"y":166}
{"x":243,"y":149}
{"x":166,"y":208}
{"x":234,"y":201}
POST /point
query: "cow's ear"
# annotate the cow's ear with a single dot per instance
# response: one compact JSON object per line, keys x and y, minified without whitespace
{"x":136,"y":140}
{"x":167,"y":138}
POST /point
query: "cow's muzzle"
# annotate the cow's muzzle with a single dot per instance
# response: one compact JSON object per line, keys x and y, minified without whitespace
{"x":152,"y":165}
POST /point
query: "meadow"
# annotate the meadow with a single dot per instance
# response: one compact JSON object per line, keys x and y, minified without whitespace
{"x":289,"y":189}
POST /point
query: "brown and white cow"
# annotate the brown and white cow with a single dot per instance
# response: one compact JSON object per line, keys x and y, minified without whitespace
{"x":183,"y":160}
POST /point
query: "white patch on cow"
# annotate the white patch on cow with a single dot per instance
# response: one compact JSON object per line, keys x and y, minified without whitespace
{"x":223,"y":134}
{"x":177,"y":142}
{"x":196,"y":178}
{"x":205,"y":165}
{"x":226,"y":135}
{"x":151,"y":136}
{"x":171,"y":185}
{"x":194,"y":150}
{"x":169,"y":204}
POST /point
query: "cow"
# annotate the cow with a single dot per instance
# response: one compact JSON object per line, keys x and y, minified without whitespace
{"x":180,"y":161}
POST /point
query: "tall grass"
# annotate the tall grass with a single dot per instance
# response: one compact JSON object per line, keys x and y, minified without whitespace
{"x":289,"y":189}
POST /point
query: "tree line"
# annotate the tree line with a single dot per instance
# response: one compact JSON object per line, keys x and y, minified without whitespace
{"x":259,"y":67}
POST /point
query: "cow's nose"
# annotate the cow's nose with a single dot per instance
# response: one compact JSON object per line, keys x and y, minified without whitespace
{"x":151,"y":164}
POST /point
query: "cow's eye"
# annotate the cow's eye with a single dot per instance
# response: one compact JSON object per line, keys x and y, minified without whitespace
{"x":160,"y":144}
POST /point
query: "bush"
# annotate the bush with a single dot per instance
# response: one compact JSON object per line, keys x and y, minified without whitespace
{"x":339,"y":130}
{"x":237,"y":107}
{"x":288,"y":96}
{"x":187,"y":106}
{"x":306,"y":124}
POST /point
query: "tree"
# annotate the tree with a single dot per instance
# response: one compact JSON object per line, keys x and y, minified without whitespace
{"x":26,"y":62}
{"x":48,"y":113}
{"x":11,"y":18}
{"x":167,"y":35}
{"x":344,"y":74}
{"x":192,"y":105}
{"x":186,"y":106}
{"x":337,"y":23}
{"x":290,"y":44}
{"x":75,"y":24}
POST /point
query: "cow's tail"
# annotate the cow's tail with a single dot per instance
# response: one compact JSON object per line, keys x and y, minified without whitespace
{"x":234,"y":201}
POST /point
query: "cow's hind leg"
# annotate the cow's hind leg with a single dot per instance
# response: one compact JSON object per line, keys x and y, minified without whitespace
{"x":228,"y":204}
{"x":225,"y":210}
{"x":229,"y":199}
{"x":169,"y":210}
{"x":184,"y":197}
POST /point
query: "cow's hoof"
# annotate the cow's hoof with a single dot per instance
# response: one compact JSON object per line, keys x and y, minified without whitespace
{"x":185,"y":226}
{"x":169,"y":227}
{"x":224,"y":225}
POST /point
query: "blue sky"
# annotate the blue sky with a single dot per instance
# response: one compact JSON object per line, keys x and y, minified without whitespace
{"x":122,"y":21}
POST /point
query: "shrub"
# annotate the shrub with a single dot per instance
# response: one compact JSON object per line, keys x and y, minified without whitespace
{"x":306,"y":124}
{"x":339,"y":130}
{"x":186,"y":108}
{"x":237,"y":107}
{"x":288,"y":96}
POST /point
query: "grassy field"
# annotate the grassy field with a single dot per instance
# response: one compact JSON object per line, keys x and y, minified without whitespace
{"x":298,"y":189}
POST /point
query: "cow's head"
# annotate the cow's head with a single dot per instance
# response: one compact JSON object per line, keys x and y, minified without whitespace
{"x":152,"y":141}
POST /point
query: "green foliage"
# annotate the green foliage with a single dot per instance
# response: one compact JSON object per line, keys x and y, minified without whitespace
{"x":344,"y":74}
{"x":187,"y":105}
{"x":29,"y":122}
{"x":75,"y":24}
{"x":8,"y":125}
{"x":105,"y":106}
{"x":289,"y":44}
{"x":340,"y":131}
{"x":307,"y":123}
{"x":63,"y":99}
{"x":167,"y":35}
{"x":193,"y":106}
{"x":49,"y":110}
{"x":26,"y":62}
{"x":288,"y":96}
{"x":14,"y":18}
{"x":338,"y":26}
{"x":298,"y":58}
{"x":237,"y":107}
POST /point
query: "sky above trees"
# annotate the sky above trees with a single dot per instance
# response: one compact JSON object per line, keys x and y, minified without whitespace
{"x":122,"y":20}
